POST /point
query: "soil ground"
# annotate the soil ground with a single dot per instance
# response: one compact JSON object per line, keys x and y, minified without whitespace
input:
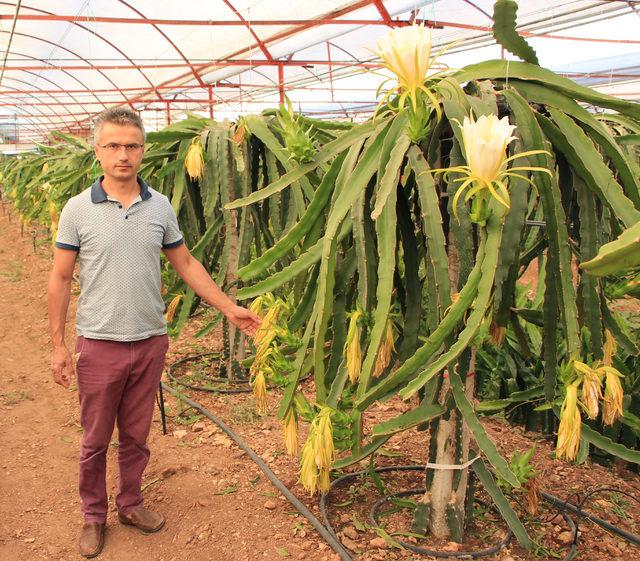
{"x":217,"y":503}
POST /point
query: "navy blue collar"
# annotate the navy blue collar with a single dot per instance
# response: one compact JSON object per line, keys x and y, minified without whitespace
{"x":99,"y":195}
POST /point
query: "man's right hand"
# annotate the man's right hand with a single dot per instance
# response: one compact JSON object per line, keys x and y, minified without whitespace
{"x":62,"y":366}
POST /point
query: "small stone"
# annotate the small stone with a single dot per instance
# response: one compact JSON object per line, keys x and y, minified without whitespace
{"x":198,"y":427}
{"x":203,"y":502}
{"x":270,"y":505}
{"x":29,"y":540}
{"x":167,"y":472}
{"x":565,"y":537}
{"x":350,"y":544}
{"x":239,"y":454}
{"x":379,"y":543}
{"x":345,"y":519}
{"x":180,"y":434}
{"x":350,"y":532}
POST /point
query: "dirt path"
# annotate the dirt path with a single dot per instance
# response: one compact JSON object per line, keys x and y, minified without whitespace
{"x":217,"y":506}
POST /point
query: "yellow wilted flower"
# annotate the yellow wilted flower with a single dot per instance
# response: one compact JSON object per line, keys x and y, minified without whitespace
{"x":257,"y":305}
{"x":318,"y":453}
{"x":324,"y":449}
{"x":308,"y":468}
{"x":172,"y":307}
{"x":406,"y":51}
{"x":53,"y":215}
{"x":591,"y":390}
{"x":290,"y":427}
{"x":324,"y":481}
{"x":570,"y":425}
{"x":194,"y":160}
{"x":352,"y":349}
{"x":259,"y":386}
{"x":613,"y":395}
{"x":485,"y":143}
{"x":609,"y":347}
{"x":386,"y":349}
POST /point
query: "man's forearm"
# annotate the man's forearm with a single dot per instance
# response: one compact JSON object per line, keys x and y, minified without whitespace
{"x":58,"y":303}
{"x":196,"y":276}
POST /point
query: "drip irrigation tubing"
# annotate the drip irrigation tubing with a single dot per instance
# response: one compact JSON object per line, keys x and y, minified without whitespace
{"x":206,"y":389}
{"x":564,"y":505}
{"x":328,"y":533}
{"x":335,"y":544}
{"x":374,"y":523}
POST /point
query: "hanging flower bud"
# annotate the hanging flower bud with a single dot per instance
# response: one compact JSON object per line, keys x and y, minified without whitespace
{"x":570,"y":425}
{"x":259,"y":386}
{"x":591,"y":390}
{"x":290,"y":427}
{"x":352,"y":348}
{"x":308,"y":468}
{"x":613,"y":395}
{"x":318,"y":453}
{"x":386,"y":349}
{"x":609,"y":347}
{"x":172,"y":307}
{"x":194,"y":160}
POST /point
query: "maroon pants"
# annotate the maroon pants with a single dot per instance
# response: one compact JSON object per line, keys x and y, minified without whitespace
{"x":116,"y":381}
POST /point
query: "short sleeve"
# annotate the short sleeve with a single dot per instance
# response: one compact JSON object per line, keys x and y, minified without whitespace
{"x":172,"y":234}
{"x":67,"y":237}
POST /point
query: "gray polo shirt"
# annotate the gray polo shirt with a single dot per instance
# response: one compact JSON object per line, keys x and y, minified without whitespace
{"x":119,"y":255}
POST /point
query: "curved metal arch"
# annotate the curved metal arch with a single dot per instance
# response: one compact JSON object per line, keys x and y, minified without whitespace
{"x":259,"y":41}
{"x":280,"y":35}
{"x":40,"y":127}
{"x":62,"y":90}
{"x":78,"y":57}
{"x":37,"y":109}
{"x":99,"y":36}
{"x":193,"y":70}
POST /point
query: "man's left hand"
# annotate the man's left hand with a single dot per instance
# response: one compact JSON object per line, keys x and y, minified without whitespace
{"x":244,"y":319}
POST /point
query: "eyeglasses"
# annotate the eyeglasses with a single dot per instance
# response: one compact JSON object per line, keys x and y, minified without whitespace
{"x":114,"y":147}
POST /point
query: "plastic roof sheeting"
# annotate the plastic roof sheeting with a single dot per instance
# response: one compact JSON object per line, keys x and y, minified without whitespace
{"x":65,"y":61}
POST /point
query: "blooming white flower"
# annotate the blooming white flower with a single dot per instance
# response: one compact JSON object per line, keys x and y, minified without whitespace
{"x":406,"y":51}
{"x":485,"y":144}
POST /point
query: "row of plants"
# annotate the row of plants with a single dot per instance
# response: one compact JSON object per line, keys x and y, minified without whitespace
{"x":386,"y":260}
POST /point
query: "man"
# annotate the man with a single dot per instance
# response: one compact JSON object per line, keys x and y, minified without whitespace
{"x":116,"y":229}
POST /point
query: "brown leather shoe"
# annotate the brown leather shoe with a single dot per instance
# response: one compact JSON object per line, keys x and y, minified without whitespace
{"x":144,"y":519}
{"x":92,"y":539}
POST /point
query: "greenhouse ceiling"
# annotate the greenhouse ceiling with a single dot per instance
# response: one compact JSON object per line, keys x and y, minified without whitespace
{"x":65,"y":61}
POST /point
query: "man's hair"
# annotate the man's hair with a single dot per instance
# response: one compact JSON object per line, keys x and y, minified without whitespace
{"x":117,"y":116}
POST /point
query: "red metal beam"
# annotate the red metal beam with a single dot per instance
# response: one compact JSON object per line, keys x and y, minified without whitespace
{"x":221,"y":63}
{"x":384,"y":14}
{"x":71,"y":53}
{"x":281,"y":82}
{"x":43,"y":78}
{"x":175,"y":47}
{"x":293,"y":22}
{"x":249,"y":26}
{"x":89,"y":30}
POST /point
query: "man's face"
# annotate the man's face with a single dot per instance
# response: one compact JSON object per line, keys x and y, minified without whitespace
{"x":123,"y":163}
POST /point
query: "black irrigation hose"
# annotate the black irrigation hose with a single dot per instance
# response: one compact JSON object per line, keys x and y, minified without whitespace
{"x":435,"y":553}
{"x":564,"y":505}
{"x":327,"y":531}
{"x":221,"y":380}
{"x":328,"y":536}
{"x":201,"y":389}
{"x":372,"y":513}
